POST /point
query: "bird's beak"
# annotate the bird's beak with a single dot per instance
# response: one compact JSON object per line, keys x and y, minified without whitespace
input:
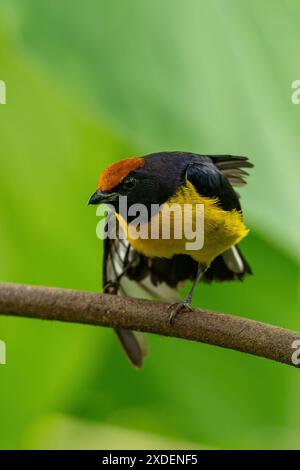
{"x":101,"y":198}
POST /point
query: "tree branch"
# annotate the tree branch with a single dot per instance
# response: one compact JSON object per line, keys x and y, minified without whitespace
{"x":218,"y":329}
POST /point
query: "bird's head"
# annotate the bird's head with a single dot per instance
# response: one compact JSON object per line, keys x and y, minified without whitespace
{"x":143,"y":180}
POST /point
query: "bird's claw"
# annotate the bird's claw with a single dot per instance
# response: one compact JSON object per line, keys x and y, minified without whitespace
{"x":110,"y":288}
{"x":176,"y":308}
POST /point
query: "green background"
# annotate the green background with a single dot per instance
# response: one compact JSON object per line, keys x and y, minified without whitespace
{"x":89,"y":83}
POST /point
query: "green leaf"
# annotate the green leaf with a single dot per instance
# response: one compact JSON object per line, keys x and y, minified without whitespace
{"x":201,"y":76}
{"x":51,"y":150}
{"x":88,"y":84}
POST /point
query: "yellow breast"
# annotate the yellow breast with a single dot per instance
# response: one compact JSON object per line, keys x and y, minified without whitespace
{"x":221,"y":229}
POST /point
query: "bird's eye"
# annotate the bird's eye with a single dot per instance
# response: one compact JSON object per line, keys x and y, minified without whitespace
{"x":130,"y":183}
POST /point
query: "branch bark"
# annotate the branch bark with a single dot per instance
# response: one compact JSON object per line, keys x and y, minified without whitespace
{"x":228,"y":331}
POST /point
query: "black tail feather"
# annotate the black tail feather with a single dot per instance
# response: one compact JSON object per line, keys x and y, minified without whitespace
{"x":219,"y":271}
{"x":134,"y":346}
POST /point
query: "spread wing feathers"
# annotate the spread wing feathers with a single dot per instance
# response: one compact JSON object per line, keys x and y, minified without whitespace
{"x":126,"y":272}
{"x":116,"y":252}
{"x":230,"y":266}
{"x":232,"y":168}
{"x":123,"y":267}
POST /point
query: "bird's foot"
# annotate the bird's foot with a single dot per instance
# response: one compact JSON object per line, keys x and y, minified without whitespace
{"x":178,"y":307}
{"x":110,"y":288}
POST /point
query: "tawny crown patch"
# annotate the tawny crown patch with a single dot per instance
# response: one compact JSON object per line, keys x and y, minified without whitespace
{"x":115,"y":173}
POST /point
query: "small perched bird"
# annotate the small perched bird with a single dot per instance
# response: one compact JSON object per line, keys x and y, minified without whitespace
{"x":158,"y":265}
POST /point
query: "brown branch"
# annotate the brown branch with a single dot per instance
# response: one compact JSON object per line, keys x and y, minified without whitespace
{"x":219,"y":329}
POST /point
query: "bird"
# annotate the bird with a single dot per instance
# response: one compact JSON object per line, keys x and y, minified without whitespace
{"x":157,"y":266}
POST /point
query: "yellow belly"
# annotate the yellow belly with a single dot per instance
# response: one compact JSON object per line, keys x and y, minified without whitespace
{"x":221,"y":230}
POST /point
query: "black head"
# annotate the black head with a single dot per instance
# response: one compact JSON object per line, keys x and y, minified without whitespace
{"x":152,"y":179}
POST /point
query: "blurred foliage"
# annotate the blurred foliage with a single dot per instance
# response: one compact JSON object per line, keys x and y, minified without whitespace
{"x":89,"y":83}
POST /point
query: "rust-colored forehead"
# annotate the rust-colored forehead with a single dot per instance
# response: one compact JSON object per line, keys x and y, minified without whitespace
{"x":115,"y":173}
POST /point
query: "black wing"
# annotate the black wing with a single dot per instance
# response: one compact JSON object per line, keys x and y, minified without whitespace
{"x":117,"y":260}
{"x":215,"y":177}
{"x":209,"y":181}
{"x":233,"y":168}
